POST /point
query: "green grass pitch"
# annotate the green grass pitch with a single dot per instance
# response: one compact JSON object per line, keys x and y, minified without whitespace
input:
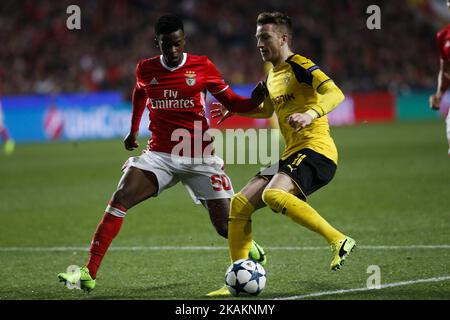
{"x":391,"y":193}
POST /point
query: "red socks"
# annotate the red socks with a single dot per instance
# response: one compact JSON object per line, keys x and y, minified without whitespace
{"x":107,"y":230}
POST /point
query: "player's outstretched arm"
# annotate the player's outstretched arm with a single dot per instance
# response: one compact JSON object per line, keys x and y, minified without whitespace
{"x":443,"y":84}
{"x":139,"y":99}
{"x":236,"y":103}
{"x":259,"y":95}
{"x":264,"y":110}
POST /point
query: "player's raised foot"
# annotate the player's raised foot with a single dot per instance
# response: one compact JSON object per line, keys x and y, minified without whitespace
{"x":341,"y":249}
{"x":222,"y":292}
{"x":9,"y":147}
{"x":257,"y":254}
{"x":78,"y":277}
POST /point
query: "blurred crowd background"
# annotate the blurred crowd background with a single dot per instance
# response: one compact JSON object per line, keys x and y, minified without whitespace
{"x":38,"y":54}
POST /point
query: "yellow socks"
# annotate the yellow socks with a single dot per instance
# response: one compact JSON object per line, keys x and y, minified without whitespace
{"x":240,"y":227}
{"x":301,"y":212}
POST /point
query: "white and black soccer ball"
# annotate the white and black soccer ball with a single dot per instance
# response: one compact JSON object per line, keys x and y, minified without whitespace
{"x":245,"y":276}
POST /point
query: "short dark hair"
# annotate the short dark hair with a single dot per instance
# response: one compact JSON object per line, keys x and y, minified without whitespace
{"x":167,"y":24}
{"x":277,"y":18}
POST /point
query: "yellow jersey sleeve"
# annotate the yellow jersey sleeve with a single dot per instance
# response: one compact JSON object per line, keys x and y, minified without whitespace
{"x":331,"y":97}
{"x":309,"y":73}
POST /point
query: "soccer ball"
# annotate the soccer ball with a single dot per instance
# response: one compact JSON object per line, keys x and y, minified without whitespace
{"x":245,"y":276}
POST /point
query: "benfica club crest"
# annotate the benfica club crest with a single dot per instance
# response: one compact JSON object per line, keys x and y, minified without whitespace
{"x":190,"y":78}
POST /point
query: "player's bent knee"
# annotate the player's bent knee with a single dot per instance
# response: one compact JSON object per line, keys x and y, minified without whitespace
{"x":222,"y":229}
{"x":274,"y":198}
{"x":121,"y":198}
{"x":241,"y":208}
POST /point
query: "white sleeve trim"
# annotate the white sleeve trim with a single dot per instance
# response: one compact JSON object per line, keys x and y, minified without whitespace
{"x":213,"y":93}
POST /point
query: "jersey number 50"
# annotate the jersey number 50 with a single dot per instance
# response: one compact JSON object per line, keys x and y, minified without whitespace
{"x":220,"y":182}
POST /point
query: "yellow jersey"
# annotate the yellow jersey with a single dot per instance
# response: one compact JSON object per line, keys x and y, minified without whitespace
{"x":293,"y":88}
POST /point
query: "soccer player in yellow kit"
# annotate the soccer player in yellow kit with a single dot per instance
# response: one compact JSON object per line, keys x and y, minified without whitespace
{"x":301,"y":95}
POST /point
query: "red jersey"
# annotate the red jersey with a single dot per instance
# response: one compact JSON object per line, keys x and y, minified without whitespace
{"x":176,"y":99}
{"x":443,"y":40}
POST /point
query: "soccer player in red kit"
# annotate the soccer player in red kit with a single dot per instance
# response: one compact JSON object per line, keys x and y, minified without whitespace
{"x":443,"y":40}
{"x":173,"y":86}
